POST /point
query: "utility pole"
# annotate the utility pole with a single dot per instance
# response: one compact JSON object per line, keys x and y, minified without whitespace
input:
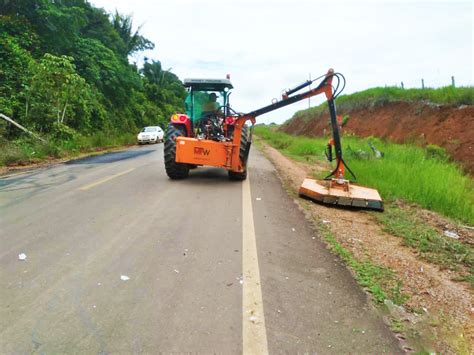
{"x":452,"y":82}
{"x":402,"y":85}
{"x":422,"y":83}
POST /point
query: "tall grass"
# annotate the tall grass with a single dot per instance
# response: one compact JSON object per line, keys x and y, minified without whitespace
{"x":407,"y":172}
{"x":27,"y":150}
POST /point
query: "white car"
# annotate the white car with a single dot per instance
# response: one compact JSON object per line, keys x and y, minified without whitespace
{"x":151,"y":134}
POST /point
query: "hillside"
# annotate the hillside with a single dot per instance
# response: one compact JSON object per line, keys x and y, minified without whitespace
{"x":443,"y":117}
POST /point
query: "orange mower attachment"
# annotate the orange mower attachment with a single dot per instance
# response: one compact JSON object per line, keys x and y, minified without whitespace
{"x":345,"y":194}
{"x":335,"y":189}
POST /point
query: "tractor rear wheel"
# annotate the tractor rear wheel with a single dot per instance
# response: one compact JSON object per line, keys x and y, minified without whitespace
{"x":243,"y":154}
{"x":173,"y":169}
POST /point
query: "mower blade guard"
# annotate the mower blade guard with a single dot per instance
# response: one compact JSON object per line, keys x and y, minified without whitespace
{"x":352,"y":196}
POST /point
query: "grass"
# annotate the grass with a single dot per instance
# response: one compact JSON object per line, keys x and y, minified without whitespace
{"x":381,"y":282}
{"x":431,"y":246}
{"x":26,"y":150}
{"x":379,"y":96}
{"x":414,"y":174}
{"x":397,"y":326}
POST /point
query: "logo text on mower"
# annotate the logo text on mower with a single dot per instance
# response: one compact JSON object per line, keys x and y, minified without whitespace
{"x":201,"y":151}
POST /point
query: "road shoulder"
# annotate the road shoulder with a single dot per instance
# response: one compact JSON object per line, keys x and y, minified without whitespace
{"x":423,"y":301}
{"x":311,"y":301}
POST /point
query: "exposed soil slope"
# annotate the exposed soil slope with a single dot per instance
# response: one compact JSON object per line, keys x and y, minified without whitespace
{"x":449,"y":127}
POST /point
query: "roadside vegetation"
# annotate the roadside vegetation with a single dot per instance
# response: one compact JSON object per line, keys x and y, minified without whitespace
{"x":27,"y":150}
{"x":429,"y":244}
{"x":380,"y":96}
{"x":423,"y":303}
{"x":65,"y":74}
{"x":381,"y":282}
{"x":424,"y":176}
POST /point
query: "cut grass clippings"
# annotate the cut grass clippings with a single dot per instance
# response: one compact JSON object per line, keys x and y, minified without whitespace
{"x":405,"y":172}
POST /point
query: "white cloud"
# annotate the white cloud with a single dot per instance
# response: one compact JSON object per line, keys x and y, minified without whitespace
{"x":267,"y":46}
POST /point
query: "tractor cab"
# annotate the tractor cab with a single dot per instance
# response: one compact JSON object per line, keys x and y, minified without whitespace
{"x":206,"y":97}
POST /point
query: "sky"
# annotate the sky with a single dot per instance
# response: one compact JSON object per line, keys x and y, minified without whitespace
{"x":269,"y":46}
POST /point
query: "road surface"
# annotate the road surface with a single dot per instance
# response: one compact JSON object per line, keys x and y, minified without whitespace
{"x":120,"y":259}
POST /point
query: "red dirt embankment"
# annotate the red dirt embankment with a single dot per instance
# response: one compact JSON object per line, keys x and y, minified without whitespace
{"x":402,"y":122}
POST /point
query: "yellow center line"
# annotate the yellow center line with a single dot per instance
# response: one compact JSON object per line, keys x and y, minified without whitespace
{"x":254,"y":334}
{"x":108,"y":178}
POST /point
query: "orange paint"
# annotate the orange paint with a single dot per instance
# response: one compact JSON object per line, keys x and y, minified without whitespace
{"x":207,"y":152}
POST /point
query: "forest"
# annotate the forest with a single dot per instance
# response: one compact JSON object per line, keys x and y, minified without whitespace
{"x":67,"y":74}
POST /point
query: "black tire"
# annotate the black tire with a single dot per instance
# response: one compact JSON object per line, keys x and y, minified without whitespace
{"x":244,"y":140}
{"x":174,"y":170}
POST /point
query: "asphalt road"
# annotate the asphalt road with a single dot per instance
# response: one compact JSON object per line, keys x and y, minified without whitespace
{"x":120,"y":259}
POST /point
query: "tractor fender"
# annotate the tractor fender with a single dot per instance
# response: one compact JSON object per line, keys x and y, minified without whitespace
{"x":182,"y":119}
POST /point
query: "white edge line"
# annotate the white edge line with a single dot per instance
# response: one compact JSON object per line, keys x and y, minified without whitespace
{"x":254,"y":335}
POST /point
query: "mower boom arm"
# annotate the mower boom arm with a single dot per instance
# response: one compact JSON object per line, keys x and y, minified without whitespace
{"x":325,"y":86}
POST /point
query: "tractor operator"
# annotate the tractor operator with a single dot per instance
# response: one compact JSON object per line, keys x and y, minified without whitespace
{"x":211,"y":106}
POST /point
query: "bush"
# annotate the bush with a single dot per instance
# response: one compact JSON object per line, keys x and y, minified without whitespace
{"x":11,"y":154}
{"x":61,"y":132}
{"x":436,"y":152}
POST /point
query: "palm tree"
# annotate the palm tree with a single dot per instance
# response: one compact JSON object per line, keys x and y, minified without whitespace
{"x":133,"y":41}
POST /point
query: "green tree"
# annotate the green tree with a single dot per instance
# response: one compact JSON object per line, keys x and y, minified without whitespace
{"x":164,"y":89}
{"x":152,"y":71}
{"x":14,"y":74}
{"x":42,"y":86}
{"x":133,"y":41}
{"x":58,"y":94}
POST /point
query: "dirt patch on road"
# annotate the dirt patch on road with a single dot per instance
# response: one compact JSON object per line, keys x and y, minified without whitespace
{"x":403,"y":122}
{"x":439,"y":311}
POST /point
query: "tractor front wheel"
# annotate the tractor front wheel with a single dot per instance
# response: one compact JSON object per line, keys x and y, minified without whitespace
{"x":173,"y":169}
